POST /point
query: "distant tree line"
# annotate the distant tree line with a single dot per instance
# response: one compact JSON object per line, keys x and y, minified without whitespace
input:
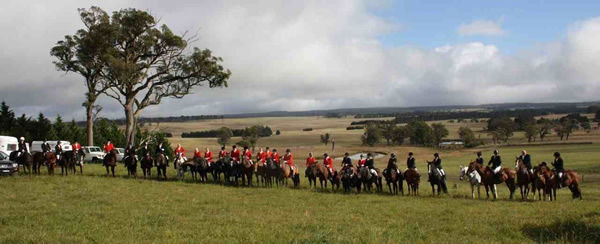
{"x":417,"y":132}
{"x":263,"y":131}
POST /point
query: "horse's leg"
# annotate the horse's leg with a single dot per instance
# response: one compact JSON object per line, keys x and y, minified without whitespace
{"x":495,"y":192}
{"x":107,"y":172}
{"x":487,"y":191}
{"x":478,"y":191}
{"x":472,"y":191}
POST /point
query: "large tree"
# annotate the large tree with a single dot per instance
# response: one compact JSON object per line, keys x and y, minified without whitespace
{"x":439,"y":131}
{"x":147,"y":63}
{"x":83,"y":53}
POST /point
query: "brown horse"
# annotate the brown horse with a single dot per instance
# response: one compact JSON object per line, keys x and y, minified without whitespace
{"x":110,"y":161}
{"x":286,"y":173}
{"x":25,"y":160}
{"x":161,"y":164}
{"x":247,"y":171}
{"x":570,"y":179}
{"x":490,"y":180}
{"x":50,"y":161}
{"x":368,"y":179}
{"x":69,"y":159}
{"x":146,"y":165}
{"x":539,"y":183}
{"x":39,"y":159}
{"x":413,"y":178}
{"x":200,"y":169}
{"x":393,"y":181}
{"x":322,"y":173}
{"x":311,"y":174}
{"x":131,"y":164}
{"x":524,"y":179}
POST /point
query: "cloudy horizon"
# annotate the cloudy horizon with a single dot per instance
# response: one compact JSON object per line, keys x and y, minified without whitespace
{"x":312,"y":55}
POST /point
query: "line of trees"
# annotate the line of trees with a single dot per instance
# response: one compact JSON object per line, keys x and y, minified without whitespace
{"x":130,"y":57}
{"x":417,"y":132}
{"x":263,"y":131}
{"x":502,"y":128}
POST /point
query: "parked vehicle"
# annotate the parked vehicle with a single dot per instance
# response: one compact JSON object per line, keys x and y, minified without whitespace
{"x":93,"y":154}
{"x":8,"y":144}
{"x":7,"y":167}
{"x":121,"y":154}
{"x":36,"y":146}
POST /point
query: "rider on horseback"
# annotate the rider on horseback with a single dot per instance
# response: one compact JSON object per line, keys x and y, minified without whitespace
{"x":289,"y":160}
{"x":361,"y":162}
{"x":145,"y":150}
{"x":559,"y":169}
{"x":328,"y":162}
{"x":208,"y":156}
{"x":129,"y":152}
{"x":46,"y":148}
{"x":58,"y":150}
{"x":23,"y":147}
{"x":180,"y":153}
{"x":346,"y":161}
{"x":410,"y":162}
{"x":437,"y":163}
{"x":479,"y":159}
{"x":526,"y":161}
{"x":370,"y":163}
{"x":276,"y":157}
{"x":247,"y":155}
{"x":392,"y":164}
{"x":108,"y":146}
{"x":310,"y":161}
{"x":235,"y":154}
{"x":222,"y":153}
{"x":160,"y":149}
{"x":496,"y":162}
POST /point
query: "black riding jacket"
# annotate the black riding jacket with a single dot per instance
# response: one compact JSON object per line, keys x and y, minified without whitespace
{"x":558,"y":164}
{"x":58,"y":149}
{"x":370,"y":163}
{"x":479,"y":160}
{"x":410,"y":163}
{"x":437,"y":162}
{"x":495,"y":161}
{"x":160,"y":150}
{"x":347,"y":161}
{"x":526,"y":160}
{"x":22,"y":147}
{"x":392,"y":163}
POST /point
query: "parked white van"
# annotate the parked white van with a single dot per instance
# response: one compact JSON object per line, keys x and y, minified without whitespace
{"x":93,"y":154}
{"x":8,"y":144}
{"x":36,"y":146}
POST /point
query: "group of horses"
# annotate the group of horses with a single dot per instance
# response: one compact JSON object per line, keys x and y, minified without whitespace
{"x":32,"y":163}
{"x":225,"y":170}
{"x":543,"y":180}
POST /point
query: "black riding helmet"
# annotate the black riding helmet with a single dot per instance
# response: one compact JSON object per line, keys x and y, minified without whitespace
{"x":223,"y":148}
{"x":287,"y":150}
{"x":410,"y":153}
{"x":393,"y":155}
{"x":346,"y":154}
{"x":436,"y":155}
{"x":274,"y":150}
{"x":556,"y":154}
{"x":496,"y":152}
{"x":479,"y":153}
{"x":325,"y":154}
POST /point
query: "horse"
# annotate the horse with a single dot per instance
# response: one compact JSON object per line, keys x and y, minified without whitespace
{"x":523,"y":178}
{"x":570,"y":179}
{"x":260,"y":169}
{"x":311,"y":174}
{"x":393,"y":181}
{"x":161,"y":164}
{"x":131,"y":164}
{"x":436,"y":179}
{"x":24,"y":159}
{"x":200,"y":168}
{"x":146,"y":165}
{"x":474,"y":179}
{"x":231,"y":171}
{"x":247,"y":171}
{"x":368,"y":179}
{"x":79,"y":156}
{"x":69,"y":159}
{"x":39,"y":159}
{"x":335,"y":179}
{"x":110,"y":160}
{"x":348,"y":177}
{"x":273,"y":172}
{"x":539,"y":183}
{"x":286,"y":173}
{"x":216,"y":169}
{"x":413,"y":178}
{"x":50,"y":161}
{"x":490,"y":180}
{"x":322,"y":173}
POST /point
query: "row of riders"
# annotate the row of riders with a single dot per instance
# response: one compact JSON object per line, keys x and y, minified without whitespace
{"x":270,"y":167}
{"x":51,"y":158}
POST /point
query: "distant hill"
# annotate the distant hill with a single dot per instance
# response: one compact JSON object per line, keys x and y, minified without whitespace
{"x":576,"y":107}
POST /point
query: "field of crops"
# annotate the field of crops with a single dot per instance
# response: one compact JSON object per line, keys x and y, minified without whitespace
{"x":95,"y":208}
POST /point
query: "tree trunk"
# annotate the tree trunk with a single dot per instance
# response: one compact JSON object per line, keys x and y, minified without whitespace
{"x":130,"y":122}
{"x":89,"y":125}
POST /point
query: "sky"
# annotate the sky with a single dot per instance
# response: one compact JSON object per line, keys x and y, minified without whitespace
{"x":304,"y":55}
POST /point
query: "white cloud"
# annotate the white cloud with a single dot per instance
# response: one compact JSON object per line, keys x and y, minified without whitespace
{"x":302,"y":55}
{"x":481,"y":28}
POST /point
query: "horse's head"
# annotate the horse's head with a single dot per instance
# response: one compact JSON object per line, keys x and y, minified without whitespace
{"x":462,"y":172}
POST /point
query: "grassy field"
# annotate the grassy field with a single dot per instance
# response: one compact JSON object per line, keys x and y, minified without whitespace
{"x":95,"y":208}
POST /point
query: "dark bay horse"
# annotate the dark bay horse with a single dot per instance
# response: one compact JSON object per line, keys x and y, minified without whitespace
{"x":69,"y":159}
{"x":131,"y":164}
{"x":25,"y":160}
{"x":311,"y":174}
{"x":110,"y":161}
{"x":146,"y":165}
{"x":161,"y":164}
{"x":436,"y":179}
{"x":490,"y":180}
{"x":349,"y":177}
{"x":200,"y":169}
{"x":368,"y":179}
{"x":524,"y":179}
{"x":39,"y":159}
{"x":393,"y":181}
{"x":247,"y":171}
{"x":413,"y":178}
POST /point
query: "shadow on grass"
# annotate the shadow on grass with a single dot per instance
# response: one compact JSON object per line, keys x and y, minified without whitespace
{"x":585,"y":229}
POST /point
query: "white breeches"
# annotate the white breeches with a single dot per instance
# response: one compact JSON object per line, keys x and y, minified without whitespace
{"x":373,"y":172}
{"x":497,"y":169}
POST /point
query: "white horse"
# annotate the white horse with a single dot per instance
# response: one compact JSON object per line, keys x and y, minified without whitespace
{"x":474,"y":178}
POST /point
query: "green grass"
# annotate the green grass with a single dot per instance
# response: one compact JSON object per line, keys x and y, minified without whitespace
{"x":95,"y":208}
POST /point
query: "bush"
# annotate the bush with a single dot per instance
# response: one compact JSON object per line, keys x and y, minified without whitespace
{"x":355,"y":127}
{"x":307,"y":129}
{"x":277,"y":132}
